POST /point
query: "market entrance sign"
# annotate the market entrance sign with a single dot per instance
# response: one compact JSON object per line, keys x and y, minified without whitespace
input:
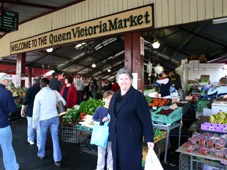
{"x":132,"y":20}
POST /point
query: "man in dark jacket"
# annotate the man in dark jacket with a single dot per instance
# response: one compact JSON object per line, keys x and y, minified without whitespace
{"x":29,"y":100}
{"x":175,"y":80}
{"x":54,"y":83}
{"x":7,"y":105}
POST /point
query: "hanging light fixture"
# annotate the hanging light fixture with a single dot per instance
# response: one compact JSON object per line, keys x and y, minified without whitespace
{"x":93,"y":65}
{"x":109,"y":70}
{"x":79,"y":45}
{"x":49,"y":50}
{"x":156,"y":44}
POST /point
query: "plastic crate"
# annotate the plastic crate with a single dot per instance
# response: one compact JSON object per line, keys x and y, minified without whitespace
{"x":214,"y":127}
{"x":171,"y":118}
{"x":83,"y":128}
{"x":184,"y":163}
{"x":158,"y":138}
{"x":69,"y":133}
{"x":86,"y":146}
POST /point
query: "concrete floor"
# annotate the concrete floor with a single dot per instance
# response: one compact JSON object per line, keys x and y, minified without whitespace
{"x":73,"y":158}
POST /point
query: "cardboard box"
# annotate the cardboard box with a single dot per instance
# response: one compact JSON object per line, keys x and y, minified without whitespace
{"x":205,"y":77}
{"x":192,"y":82}
{"x":203,"y":119}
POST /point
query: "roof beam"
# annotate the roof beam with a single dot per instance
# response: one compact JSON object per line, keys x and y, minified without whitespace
{"x":28,"y":4}
{"x":187,"y":40}
{"x":204,"y":37}
{"x":73,"y":61}
{"x":45,"y":55}
{"x":110,"y":62}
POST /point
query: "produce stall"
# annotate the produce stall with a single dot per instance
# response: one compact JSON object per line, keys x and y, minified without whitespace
{"x":166,"y":117}
{"x":203,"y":150}
{"x":69,"y":121}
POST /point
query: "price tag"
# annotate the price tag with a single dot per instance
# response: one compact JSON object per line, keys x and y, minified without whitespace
{"x":154,"y":108}
{"x":173,"y":106}
{"x":211,"y":128}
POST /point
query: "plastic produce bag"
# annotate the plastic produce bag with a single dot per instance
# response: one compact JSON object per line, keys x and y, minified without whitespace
{"x":152,"y":161}
{"x":100,"y":135}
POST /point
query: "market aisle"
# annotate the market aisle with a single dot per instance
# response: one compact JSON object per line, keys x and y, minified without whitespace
{"x":73,"y":158}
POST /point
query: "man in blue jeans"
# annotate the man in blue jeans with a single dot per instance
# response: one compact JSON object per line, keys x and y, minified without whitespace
{"x":7,"y":105}
{"x":29,"y":101}
{"x":45,"y":112}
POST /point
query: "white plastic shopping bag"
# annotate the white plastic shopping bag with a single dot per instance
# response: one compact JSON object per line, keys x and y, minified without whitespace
{"x":152,"y":161}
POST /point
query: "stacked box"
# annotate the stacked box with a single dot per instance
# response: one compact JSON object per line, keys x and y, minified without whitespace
{"x":201,"y":105}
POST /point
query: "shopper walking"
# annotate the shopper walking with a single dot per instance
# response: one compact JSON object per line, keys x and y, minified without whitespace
{"x":28,"y":101}
{"x":69,"y":92}
{"x":79,"y":84}
{"x":45,"y":112}
{"x":130,"y":121}
{"x":7,"y":105}
{"x":55,"y":84}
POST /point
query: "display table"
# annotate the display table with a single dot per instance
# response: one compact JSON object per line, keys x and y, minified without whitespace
{"x":192,"y":155}
{"x":168,"y":128}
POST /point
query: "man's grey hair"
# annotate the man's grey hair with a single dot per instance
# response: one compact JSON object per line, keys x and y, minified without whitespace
{"x":36,"y":80}
{"x":124,"y":71}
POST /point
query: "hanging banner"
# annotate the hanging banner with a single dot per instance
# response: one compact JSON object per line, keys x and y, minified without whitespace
{"x":136,"y":19}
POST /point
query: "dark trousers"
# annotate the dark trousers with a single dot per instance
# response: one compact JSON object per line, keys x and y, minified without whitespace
{"x":79,"y":96}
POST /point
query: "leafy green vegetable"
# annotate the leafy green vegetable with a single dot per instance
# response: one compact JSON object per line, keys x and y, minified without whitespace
{"x":90,"y":105}
{"x":149,"y":99}
{"x":72,"y":115}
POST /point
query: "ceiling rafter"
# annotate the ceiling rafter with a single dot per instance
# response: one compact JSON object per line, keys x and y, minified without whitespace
{"x":81,"y":58}
{"x":186,"y":41}
{"x":112,"y":62}
{"x":113,"y":71}
{"x":204,"y":37}
{"x":45,"y":55}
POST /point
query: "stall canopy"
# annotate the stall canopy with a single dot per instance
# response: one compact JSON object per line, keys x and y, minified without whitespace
{"x":176,"y":43}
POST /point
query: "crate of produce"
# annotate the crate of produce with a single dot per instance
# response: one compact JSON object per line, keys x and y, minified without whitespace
{"x":155,"y":103}
{"x":214,"y":127}
{"x":69,"y":133}
{"x":86,"y":146}
{"x":162,"y":116}
{"x":160,"y":137}
{"x":185,"y":105}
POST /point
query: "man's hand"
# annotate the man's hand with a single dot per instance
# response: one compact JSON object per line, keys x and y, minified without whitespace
{"x":22,"y":114}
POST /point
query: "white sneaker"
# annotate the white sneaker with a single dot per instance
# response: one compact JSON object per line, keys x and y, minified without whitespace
{"x":31,"y":142}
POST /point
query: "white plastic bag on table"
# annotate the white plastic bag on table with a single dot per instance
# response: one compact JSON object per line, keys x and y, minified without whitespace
{"x":152,"y":161}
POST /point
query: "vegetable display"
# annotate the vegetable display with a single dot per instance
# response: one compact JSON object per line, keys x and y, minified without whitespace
{"x":90,"y":105}
{"x":72,"y":115}
{"x":157,"y":101}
